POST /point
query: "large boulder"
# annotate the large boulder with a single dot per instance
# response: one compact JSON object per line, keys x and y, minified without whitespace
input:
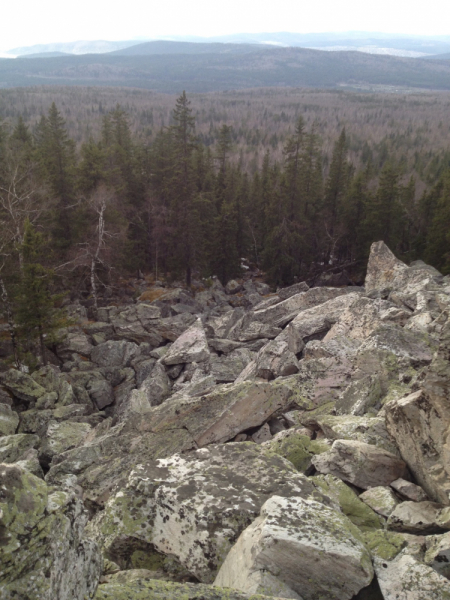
{"x":360,"y":464}
{"x":298,"y":545}
{"x":195,"y":506}
{"x":420,"y":425}
{"x":43,"y":552}
{"x":405,"y":578}
{"x":191,"y":346}
{"x":9,"y":420}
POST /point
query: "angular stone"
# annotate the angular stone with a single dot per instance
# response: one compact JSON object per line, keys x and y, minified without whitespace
{"x":318,"y":319}
{"x":262,"y":435}
{"x":437,"y":554}
{"x":226,"y":369}
{"x":75,"y":342}
{"x":361,"y":464}
{"x":407,"y":579}
{"x":194,"y":506}
{"x":292,"y":290}
{"x":52,"y":526}
{"x":233,"y":287}
{"x":370,"y":430}
{"x":310,"y":549}
{"x":220,"y":415}
{"x":115,"y":353}
{"x":276,"y":360}
{"x":191,"y":346}
{"x":380,"y":499}
{"x":409,"y":490}
{"x":63,"y":436}
{"x":21,"y":385}
{"x":383,"y":268}
{"x":420,"y":518}
{"x":15,"y":447}
{"x":283,"y":312}
{"x":9,"y":420}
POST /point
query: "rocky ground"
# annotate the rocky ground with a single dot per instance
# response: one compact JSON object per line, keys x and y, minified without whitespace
{"x":235,"y":444}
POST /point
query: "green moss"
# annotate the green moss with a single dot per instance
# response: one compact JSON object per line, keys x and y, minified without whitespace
{"x":298,"y":449}
{"x":384,"y":544}
{"x":142,"y":589}
{"x":359,"y":513}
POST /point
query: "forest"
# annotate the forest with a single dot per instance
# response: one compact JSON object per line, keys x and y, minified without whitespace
{"x":187,"y":202}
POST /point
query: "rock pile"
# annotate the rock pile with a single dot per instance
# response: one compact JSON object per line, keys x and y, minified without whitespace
{"x":288,"y":445}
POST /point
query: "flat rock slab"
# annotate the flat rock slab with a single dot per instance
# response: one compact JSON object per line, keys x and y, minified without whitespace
{"x":301,"y":546}
{"x":361,"y":464}
{"x":220,"y":415}
{"x":142,"y":589}
{"x":380,"y":499}
{"x":195,"y":506}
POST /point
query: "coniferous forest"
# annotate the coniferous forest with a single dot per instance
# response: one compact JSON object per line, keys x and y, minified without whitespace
{"x":78,"y":215}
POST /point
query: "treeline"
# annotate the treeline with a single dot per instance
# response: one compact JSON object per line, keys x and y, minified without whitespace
{"x":178,"y":208}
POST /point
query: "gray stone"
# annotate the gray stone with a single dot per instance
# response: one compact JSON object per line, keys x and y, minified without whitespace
{"x":276,"y":360}
{"x":233,"y":287}
{"x":115,"y":353}
{"x":304,"y":547}
{"x":380,"y":499}
{"x":420,"y":518}
{"x":361,"y":464}
{"x":57,"y":561}
{"x":15,"y":447}
{"x":409,"y":490}
{"x":194,"y":506}
{"x":437,"y":554}
{"x":191,"y":346}
{"x":407,"y":579}
{"x":9,"y":420}
{"x":292,"y":290}
{"x":21,"y":385}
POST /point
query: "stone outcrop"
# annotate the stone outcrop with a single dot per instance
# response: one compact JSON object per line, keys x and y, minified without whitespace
{"x":278,"y":443}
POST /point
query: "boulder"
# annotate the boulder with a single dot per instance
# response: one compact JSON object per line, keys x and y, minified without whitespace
{"x":281,"y":313}
{"x":194,"y":506}
{"x":75,"y":342}
{"x":292,"y":290}
{"x":56,"y":561}
{"x":437,"y":554}
{"x":405,"y":578}
{"x":360,"y":464}
{"x":115,"y":353}
{"x":298,"y":545}
{"x":380,"y":499}
{"x":16,"y":447}
{"x":225,"y":369}
{"x":21,"y":385}
{"x":317,"y":320}
{"x":191,"y":346}
{"x":420,"y":518}
{"x":409,"y":490}
{"x":233,"y":287}
{"x":221,"y":414}
{"x":60,"y":437}
{"x":297,"y":447}
{"x":275,"y":360}
{"x":9,"y":420}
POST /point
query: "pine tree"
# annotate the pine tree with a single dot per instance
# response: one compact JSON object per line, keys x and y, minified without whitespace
{"x":36,"y":315}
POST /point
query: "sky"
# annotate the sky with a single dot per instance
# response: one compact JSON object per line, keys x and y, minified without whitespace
{"x":29,"y":22}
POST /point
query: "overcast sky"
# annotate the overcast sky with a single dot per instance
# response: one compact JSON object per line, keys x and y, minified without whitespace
{"x":29,"y":22}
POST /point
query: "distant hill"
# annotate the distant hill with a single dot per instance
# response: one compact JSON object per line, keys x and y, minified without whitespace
{"x":170,"y":47}
{"x":372,"y":43}
{"x":215,"y":67}
{"x":445,"y":56}
{"x":79,"y":47}
{"x":46,"y":55}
